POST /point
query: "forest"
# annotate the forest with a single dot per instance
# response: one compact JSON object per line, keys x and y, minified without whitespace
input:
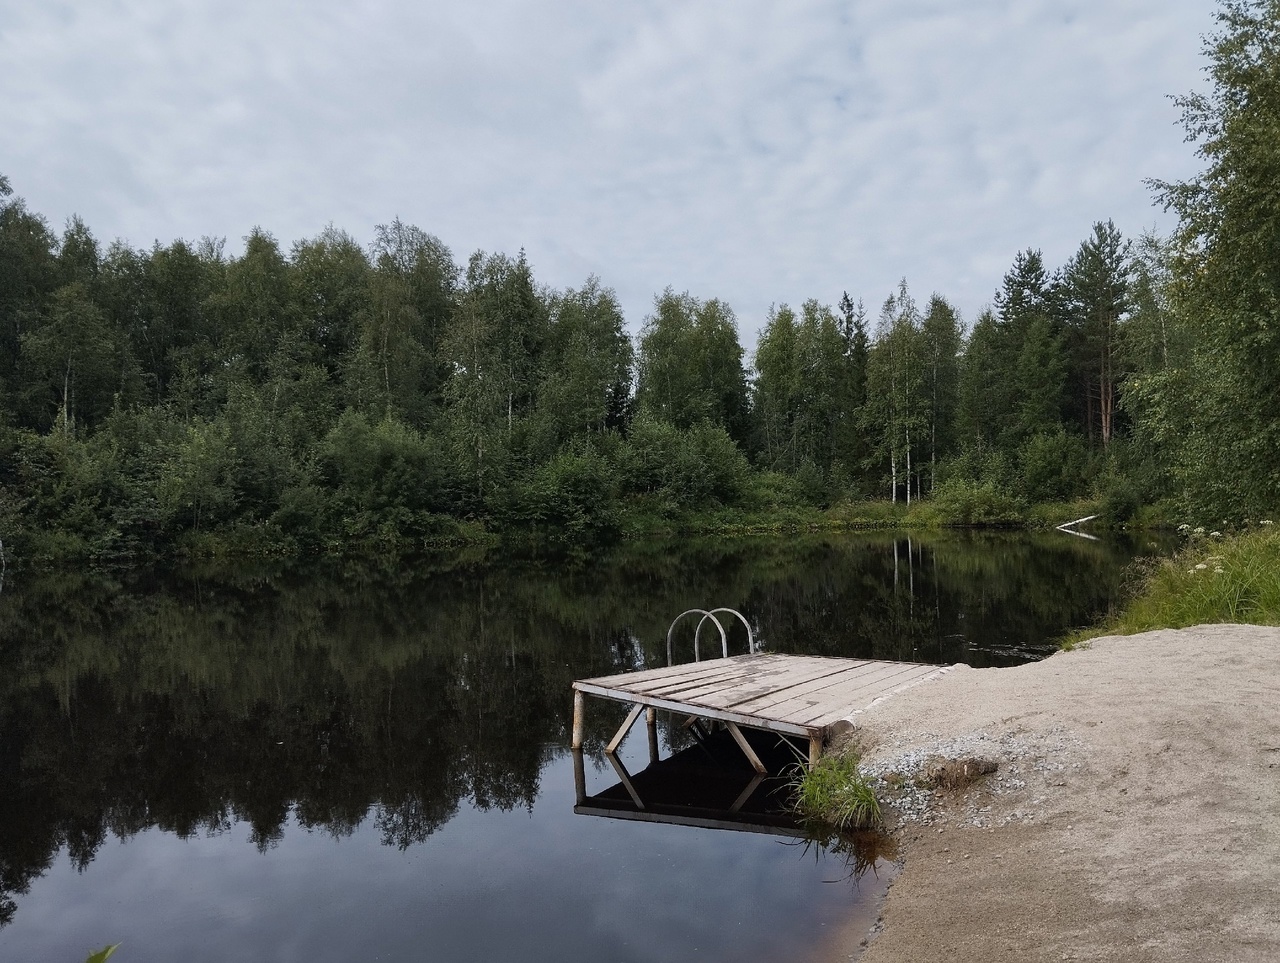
{"x":330,"y":396}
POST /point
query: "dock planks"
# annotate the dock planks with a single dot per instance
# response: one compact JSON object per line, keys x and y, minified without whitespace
{"x":800,"y":695}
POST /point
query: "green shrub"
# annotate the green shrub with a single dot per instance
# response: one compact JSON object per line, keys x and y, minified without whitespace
{"x":960,"y":502}
{"x":1051,"y":466}
{"x":568,"y":500}
{"x":698,"y":468}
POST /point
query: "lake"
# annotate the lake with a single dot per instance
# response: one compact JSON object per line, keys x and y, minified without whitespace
{"x":338,"y":762}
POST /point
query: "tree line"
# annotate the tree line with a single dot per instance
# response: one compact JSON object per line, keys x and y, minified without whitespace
{"x":335,"y":393}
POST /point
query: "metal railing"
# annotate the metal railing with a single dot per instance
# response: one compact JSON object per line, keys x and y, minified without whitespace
{"x":710,"y":615}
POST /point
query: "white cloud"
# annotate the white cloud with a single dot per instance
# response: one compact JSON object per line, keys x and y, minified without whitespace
{"x":752,"y":151}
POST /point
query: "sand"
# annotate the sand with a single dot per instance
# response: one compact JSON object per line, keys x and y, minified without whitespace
{"x":1135,"y":814}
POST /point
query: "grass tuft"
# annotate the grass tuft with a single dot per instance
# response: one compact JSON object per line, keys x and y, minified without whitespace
{"x":834,"y":792}
{"x":1214,"y":578}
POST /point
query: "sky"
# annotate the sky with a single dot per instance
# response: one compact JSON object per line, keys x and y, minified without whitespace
{"x":755,"y":152}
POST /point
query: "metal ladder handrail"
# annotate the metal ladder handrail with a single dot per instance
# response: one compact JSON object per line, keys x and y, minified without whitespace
{"x":751,"y":642}
{"x":697,"y":635}
{"x":724,"y":639}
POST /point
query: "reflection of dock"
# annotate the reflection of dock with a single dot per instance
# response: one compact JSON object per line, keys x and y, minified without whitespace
{"x":796,"y":695}
{"x":709,"y":785}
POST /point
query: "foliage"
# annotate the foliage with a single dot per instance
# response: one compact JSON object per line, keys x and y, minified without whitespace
{"x":690,"y":365}
{"x":102,"y":955}
{"x":1214,"y":578}
{"x":569,"y":500}
{"x":1053,"y":465}
{"x":1212,"y":411}
{"x":834,"y":792}
{"x":961,"y":502}
{"x":324,"y":397}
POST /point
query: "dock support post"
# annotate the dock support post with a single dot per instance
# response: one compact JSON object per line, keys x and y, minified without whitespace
{"x":579,"y":778}
{"x":815,"y":749}
{"x":651,"y":723}
{"x":579,"y":712}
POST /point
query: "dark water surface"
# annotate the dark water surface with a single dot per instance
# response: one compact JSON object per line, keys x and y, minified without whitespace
{"x":342,"y":763}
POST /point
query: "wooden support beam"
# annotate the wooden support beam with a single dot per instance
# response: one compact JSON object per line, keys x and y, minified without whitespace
{"x":745,"y":746}
{"x":815,"y":749}
{"x":746,"y":793}
{"x":632,"y":716}
{"x":651,"y":723}
{"x":579,"y":777}
{"x":625,"y":778}
{"x":579,"y":717}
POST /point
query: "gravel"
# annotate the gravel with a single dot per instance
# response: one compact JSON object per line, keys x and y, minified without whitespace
{"x":1027,"y":764}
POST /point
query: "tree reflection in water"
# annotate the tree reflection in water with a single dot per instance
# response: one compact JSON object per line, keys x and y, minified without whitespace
{"x":346,"y":693}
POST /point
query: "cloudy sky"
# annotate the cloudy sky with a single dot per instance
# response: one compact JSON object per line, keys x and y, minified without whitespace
{"x":756,"y":152}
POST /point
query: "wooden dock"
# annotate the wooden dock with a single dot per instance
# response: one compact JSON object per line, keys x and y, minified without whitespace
{"x":800,"y":695}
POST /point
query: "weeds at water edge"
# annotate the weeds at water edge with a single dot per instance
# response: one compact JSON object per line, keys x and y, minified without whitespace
{"x":834,"y":792}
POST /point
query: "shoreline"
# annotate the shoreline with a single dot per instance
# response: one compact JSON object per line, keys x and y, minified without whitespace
{"x":1132,"y":816}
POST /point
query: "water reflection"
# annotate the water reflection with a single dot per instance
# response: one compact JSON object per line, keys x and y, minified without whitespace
{"x":351,"y":698}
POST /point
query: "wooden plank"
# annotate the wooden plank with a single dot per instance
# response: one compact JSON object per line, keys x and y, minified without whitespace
{"x":840,"y":701}
{"x":738,"y":686}
{"x":864,"y":673}
{"x":742,"y":696}
{"x":725,"y":675}
{"x":755,"y":722}
{"x":671,"y":671}
{"x":660,"y":676}
{"x":699,"y":692}
{"x":834,"y":689}
{"x":925,"y":674}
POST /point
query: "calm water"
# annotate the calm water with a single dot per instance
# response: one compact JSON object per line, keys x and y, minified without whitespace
{"x":344,"y":763}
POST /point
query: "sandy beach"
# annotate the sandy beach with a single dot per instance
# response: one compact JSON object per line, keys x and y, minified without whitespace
{"x":1135,"y":813}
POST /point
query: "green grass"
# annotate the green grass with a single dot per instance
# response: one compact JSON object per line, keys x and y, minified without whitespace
{"x":1214,"y":578}
{"x":835,"y":793}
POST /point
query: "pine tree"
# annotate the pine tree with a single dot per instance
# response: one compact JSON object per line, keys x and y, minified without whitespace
{"x":1095,"y":286}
